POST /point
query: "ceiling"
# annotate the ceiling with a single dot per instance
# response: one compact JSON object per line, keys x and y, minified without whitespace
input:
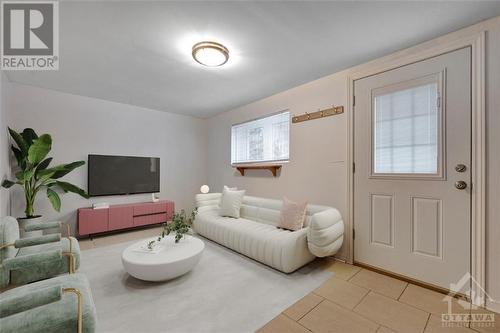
{"x":139,"y":52}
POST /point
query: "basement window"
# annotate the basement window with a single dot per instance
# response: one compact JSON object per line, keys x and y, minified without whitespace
{"x":263,"y":140}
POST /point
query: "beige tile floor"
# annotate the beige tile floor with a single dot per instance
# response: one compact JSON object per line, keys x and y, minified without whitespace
{"x":353,"y":300}
{"x":359,"y":300}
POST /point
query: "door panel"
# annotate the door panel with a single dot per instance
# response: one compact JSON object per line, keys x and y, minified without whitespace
{"x":426,"y":222}
{"x":412,"y":127}
{"x":382,"y":219}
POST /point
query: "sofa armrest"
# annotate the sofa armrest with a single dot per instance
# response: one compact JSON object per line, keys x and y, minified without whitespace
{"x":29,"y":260}
{"x":326,"y":233}
{"x":23,"y":302}
{"x":37,"y":240}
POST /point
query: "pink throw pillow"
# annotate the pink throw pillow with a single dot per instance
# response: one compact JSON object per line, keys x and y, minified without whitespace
{"x":292,"y":215}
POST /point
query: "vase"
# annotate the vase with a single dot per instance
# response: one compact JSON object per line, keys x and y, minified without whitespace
{"x":25,"y":221}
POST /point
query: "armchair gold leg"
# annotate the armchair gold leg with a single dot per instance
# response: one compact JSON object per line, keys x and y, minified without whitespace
{"x":71,"y":257}
{"x":71,"y":262}
{"x":68,"y":230}
{"x":68,"y":236}
{"x":79,"y":299}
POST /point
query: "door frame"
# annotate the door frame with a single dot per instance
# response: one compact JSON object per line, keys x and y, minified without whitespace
{"x":469,"y":37}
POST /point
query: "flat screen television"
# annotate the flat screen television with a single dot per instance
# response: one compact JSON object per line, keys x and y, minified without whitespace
{"x":119,"y":175}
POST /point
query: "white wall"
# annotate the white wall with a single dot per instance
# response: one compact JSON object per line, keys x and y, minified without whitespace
{"x":4,"y":147}
{"x":316,"y":171}
{"x":80,"y":126}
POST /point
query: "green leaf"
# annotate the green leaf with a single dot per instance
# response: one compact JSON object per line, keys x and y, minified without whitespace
{"x":67,"y":168}
{"x":61,"y":170}
{"x":29,"y":136}
{"x":39,"y":149}
{"x":54,"y":199}
{"x":18,"y":139}
{"x":20,"y":158}
{"x":8,"y":184}
{"x":68,"y":187}
{"x":43,"y":165}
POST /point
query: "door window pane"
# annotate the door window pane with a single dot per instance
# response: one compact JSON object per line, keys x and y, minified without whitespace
{"x":406,"y":131}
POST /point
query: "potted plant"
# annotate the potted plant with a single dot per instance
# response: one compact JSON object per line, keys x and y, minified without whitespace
{"x":34,"y":175}
{"x":180,"y":225}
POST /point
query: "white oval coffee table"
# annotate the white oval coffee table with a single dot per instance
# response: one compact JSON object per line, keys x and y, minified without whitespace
{"x":171,"y":260}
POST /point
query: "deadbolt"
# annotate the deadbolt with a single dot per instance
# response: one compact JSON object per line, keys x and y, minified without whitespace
{"x":460,"y":168}
{"x":461,"y":185}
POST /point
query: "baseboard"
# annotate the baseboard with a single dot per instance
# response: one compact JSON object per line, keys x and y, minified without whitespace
{"x":493,"y":306}
{"x":341,"y":259}
{"x":419,"y":283}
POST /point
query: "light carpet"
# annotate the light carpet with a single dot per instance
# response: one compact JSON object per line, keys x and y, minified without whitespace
{"x":225,"y":292}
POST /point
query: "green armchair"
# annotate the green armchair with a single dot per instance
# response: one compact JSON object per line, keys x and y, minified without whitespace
{"x":59,"y":305}
{"x":19,"y":263}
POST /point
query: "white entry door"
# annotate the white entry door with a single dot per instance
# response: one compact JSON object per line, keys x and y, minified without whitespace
{"x":412,"y":154}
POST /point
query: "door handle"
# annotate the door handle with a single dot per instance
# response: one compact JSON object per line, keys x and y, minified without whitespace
{"x":460,"y":185}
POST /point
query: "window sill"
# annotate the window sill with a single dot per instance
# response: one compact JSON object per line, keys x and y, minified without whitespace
{"x":273,"y":167}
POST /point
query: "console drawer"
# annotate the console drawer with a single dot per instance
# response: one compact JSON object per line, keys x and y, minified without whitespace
{"x":150,"y":208}
{"x":150,"y":219}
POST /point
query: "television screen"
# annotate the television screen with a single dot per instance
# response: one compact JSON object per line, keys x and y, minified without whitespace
{"x":113,"y":175}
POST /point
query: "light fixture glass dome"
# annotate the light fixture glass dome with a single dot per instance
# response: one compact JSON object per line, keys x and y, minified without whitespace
{"x":210,"y":54}
{"x":204,"y":189}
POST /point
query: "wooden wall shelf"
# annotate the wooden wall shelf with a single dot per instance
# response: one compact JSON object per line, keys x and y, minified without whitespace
{"x":271,"y":167}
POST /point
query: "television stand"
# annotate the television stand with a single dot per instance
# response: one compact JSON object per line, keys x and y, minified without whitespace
{"x":117,"y":217}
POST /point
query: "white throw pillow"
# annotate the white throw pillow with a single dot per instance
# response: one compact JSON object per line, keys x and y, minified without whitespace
{"x":230,"y":203}
{"x":227,"y":188}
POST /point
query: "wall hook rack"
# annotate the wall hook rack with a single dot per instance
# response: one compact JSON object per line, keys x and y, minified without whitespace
{"x":318,"y":114}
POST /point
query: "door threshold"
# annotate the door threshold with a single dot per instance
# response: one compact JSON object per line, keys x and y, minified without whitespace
{"x":419,"y":283}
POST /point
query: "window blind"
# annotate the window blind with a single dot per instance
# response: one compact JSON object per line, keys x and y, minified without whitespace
{"x":406,"y":131}
{"x":261,"y":140}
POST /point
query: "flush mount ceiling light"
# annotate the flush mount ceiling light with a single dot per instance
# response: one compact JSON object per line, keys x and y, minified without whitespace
{"x":210,"y":54}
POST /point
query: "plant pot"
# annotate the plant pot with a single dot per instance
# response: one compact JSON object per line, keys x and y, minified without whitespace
{"x":25,"y":221}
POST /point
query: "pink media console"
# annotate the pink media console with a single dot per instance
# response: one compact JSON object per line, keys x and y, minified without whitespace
{"x":116,"y":217}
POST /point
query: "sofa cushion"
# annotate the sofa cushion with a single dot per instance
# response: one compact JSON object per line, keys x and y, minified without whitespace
{"x":231,"y":203}
{"x":292,"y":214}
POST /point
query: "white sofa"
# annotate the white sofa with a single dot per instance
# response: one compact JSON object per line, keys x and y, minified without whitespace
{"x":256,"y":236}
